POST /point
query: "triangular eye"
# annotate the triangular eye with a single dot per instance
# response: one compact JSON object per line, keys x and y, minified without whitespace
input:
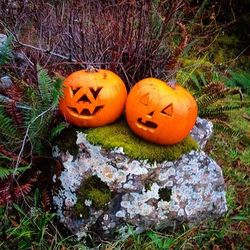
{"x":168,"y":110}
{"x":96,"y":92}
{"x":75,"y":90}
{"x":144,"y":99}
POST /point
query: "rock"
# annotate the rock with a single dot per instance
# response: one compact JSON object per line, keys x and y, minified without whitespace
{"x":202,"y":131}
{"x":102,"y":190}
{"x":3,"y":40}
{"x":5,"y":82}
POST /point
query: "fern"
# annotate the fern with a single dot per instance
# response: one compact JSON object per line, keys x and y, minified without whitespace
{"x":57,"y":130}
{"x":9,"y":134}
{"x":43,"y":103}
{"x":226,"y":128}
{"x":5,"y":172}
{"x":238,"y":78}
{"x":5,"y":51}
{"x":211,"y":94}
{"x":50,"y":89}
{"x":195,"y":72}
{"x":218,"y":110}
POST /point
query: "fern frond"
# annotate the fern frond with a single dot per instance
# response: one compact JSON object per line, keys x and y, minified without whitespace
{"x":37,"y":122}
{"x":43,"y":102}
{"x":57,"y":91}
{"x":22,"y":190}
{"x":57,"y":130}
{"x":5,"y":172}
{"x":44,"y":85}
{"x":10,"y":156}
{"x":226,"y":128}
{"x":5,"y":52}
{"x":8,"y":132}
{"x":239,"y":78}
{"x":206,"y":100}
{"x":216,"y":111}
{"x":14,"y":113}
{"x":50,"y":88}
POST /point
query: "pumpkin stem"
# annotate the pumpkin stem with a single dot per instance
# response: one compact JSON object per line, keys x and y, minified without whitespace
{"x":91,"y":68}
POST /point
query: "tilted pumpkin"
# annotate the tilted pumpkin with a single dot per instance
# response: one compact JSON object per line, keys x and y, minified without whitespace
{"x":92,"y":98}
{"x":159,"y":113}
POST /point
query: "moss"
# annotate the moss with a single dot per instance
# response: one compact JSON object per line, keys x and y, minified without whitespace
{"x":165,"y":194}
{"x":66,"y":141}
{"x":82,"y":209}
{"x":119,"y":135}
{"x":95,"y":190}
{"x":99,"y":198}
{"x":148,"y":185}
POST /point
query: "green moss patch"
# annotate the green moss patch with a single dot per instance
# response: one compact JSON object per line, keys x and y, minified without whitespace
{"x":66,"y":141}
{"x":119,"y":135}
{"x":95,"y":190}
{"x":165,"y":194}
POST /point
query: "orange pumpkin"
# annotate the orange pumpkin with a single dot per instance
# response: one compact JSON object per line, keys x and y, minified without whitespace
{"x":160,"y":113}
{"x":93,"y":98}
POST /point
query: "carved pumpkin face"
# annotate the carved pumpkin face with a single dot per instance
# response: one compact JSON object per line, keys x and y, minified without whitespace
{"x":93,"y":98}
{"x":159,"y":113}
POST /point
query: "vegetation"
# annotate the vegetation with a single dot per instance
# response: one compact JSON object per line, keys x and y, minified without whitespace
{"x":119,"y":135}
{"x":202,"y":44}
{"x":94,"y":190}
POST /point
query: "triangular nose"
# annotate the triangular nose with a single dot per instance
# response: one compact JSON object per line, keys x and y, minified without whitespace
{"x":151,"y":113}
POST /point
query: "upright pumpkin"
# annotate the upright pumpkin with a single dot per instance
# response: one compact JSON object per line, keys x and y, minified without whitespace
{"x":93,"y":98}
{"x":160,"y":113}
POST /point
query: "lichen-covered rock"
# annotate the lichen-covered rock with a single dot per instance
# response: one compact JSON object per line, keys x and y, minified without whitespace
{"x":202,"y":130}
{"x":103,"y":189}
{"x":3,"y":40}
{"x":5,"y":82}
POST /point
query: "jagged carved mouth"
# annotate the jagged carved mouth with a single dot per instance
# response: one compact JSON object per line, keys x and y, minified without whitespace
{"x":85,"y":112}
{"x":148,"y":125}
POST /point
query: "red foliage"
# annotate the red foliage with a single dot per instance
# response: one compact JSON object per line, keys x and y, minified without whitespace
{"x":14,"y":113}
{"x":10,"y":192}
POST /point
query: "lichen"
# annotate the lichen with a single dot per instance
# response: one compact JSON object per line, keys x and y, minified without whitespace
{"x":95,"y":190}
{"x":148,"y":185}
{"x":119,"y":135}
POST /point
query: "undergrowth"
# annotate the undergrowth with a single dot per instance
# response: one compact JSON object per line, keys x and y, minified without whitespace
{"x":214,"y":67}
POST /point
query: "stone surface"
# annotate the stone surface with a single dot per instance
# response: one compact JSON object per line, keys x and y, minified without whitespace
{"x":202,"y":131}
{"x":146,"y":195}
{"x":5,"y":82}
{"x":3,"y":40}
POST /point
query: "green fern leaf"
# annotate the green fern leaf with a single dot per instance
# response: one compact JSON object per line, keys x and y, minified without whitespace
{"x":56,"y":91}
{"x":5,"y":52}
{"x":45,"y":86}
{"x":57,"y":130}
{"x":8,"y":132}
{"x":5,"y":172}
{"x":225,"y":128}
{"x":215,"y":111}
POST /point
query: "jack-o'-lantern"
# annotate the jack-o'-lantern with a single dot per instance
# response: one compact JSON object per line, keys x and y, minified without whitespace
{"x":160,"y":113}
{"x":92,"y":98}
